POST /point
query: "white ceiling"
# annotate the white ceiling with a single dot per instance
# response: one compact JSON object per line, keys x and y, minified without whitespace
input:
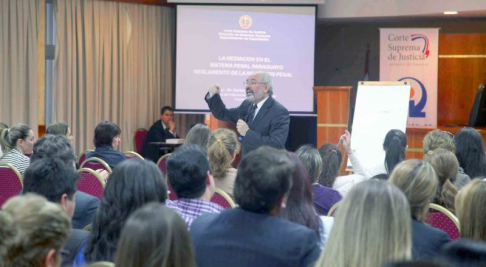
{"x":365,"y":9}
{"x":352,"y":9}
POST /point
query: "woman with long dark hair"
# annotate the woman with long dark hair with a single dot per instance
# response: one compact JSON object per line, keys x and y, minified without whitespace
{"x":155,"y":235}
{"x":470,"y":152}
{"x":132,"y":184}
{"x":300,"y":207}
{"x":395,"y":146}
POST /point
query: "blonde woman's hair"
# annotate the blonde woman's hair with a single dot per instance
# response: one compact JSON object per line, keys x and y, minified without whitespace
{"x":471,"y":211}
{"x":417,"y":179}
{"x":438,"y":139}
{"x":446,"y":167}
{"x":223,"y":143}
{"x":30,"y":227}
{"x":372,"y":227}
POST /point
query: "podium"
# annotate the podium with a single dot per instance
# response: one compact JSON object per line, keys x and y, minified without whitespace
{"x":333,"y":110}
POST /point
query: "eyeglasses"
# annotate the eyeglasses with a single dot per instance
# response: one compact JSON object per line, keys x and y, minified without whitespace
{"x":251,"y":82}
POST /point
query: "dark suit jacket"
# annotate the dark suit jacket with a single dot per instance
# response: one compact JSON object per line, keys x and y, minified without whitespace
{"x":236,"y":237}
{"x":111,"y":156}
{"x":270,"y":127}
{"x":85,"y":209}
{"x":156,"y":133}
{"x":427,"y":240}
{"x":73,"y":245}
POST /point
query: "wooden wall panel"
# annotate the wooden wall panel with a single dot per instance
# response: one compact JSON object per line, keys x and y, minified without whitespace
{"x":462,"y":68}
{"x":332,"y":114}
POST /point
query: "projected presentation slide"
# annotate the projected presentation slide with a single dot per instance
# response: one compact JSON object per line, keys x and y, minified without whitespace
{"x":224,"y":44}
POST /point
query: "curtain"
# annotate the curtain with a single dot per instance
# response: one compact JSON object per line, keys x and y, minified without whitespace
{"x":114,"y":61}
{"x":19,"y":26}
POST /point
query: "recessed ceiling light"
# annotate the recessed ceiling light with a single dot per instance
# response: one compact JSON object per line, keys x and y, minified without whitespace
{"x":450,"y":12}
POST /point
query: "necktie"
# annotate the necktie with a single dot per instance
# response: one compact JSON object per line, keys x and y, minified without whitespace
{"x":251,"y":113}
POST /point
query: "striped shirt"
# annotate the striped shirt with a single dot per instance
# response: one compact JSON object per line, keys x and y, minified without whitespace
{"x":17,"y":159}
{"x":191,"y":208}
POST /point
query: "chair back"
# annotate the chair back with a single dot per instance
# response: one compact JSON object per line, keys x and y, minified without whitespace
{"x":139,"y":139}
{"x":162,"y":163}
{"x":91,"y":183}
{"x":172,"y":194}
{"x":95,"y":163}
{"x":82,"y":156}
{"x":333,"y":209}
{"x":223,"y":199}
{"x":10,"y":182}
{"x":132,"y":155}
{"x":443,"y":219}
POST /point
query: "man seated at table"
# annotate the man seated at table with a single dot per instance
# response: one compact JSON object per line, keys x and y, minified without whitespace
{"x":160,"y":131}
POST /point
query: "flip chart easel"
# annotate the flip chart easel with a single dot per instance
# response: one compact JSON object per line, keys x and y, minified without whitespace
{"x":380,"y":107}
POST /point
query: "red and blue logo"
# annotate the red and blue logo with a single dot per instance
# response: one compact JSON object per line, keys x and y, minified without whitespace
{"x":425,"y":50}
{"x":416,"y":110}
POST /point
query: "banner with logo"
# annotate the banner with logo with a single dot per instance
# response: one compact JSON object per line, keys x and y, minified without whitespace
{"x":412,"y":55}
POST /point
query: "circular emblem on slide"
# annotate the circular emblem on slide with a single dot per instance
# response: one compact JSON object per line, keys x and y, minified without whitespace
{"x":245,"y":22}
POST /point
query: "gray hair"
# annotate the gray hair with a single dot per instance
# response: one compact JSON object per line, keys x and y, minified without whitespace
{"x":199,"y":135}
{"x":267,"y":79}
{"x":9,"y":137}
{"x":312,"y":161}
{"x":50,"y":146}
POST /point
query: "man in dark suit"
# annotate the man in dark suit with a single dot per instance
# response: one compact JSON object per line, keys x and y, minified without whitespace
{"x":253,"y":234}
{"x":160,"y":131}
{"x":50,"y":146}
{"x":50,"y":178}
{"x":260,"y":119}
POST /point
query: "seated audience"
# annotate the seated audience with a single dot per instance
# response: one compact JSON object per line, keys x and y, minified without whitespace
{"x":324,"y":197}
{"x":253,"y":234}
{"x":300,"y":207}
{"x":395,"y":146}
{"x":58,"y":146}
{"x":199,"y":135}
{"x":3,"y":126}
{"x":222,"y":149}
{"x":55,"y":181}
{"x":372,"y":228}
{"x":442,"y":139}
{"x":106,"y":140}
{"x":32,"y":232}
{"x":417,"y":179}
{"x":155,"y":235}
{"x":470,"y":152}
{"x":160,"y":131}
{"x":471,"y":210}
{"x":132,"y":184}
{"x":465,"y":252}
{"x":190,"y":177}
{"x":446,"y":166}
{"x":16,"y":142}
